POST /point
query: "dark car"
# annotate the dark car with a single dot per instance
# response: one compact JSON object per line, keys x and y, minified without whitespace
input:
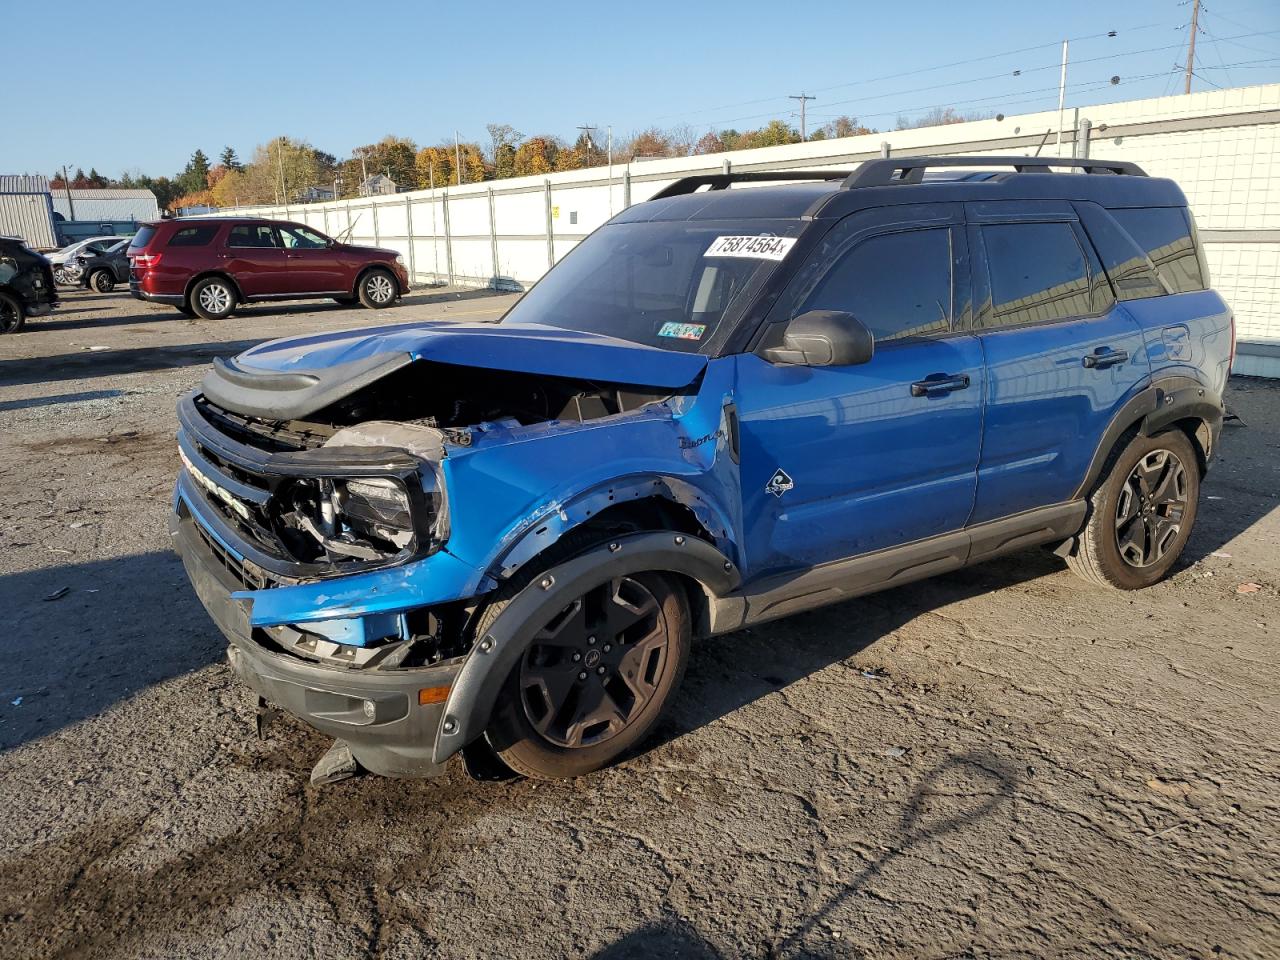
{"x":726,"y":406}
{"x":101,"y":272}
{"x":208,"y":266}
{"x":26,"y":285}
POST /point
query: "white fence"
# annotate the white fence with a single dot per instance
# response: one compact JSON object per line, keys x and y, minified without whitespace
{"x":1220,"y":146}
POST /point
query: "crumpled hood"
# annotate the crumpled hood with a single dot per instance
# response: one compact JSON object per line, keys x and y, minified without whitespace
{"x":291,"y":378}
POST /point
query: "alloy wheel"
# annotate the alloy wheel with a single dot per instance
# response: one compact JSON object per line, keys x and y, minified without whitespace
{"x":594,"y":667}
{"x":379,"y":288}
{"x":215,"y":298}
{"x":10,"y":317}
{"x":1150,"y":508}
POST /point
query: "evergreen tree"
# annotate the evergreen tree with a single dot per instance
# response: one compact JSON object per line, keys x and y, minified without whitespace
{"x":229,"y":159}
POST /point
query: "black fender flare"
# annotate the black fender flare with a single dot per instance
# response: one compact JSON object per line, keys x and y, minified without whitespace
{"x":476,"y":688}
{"x":1151,"y":410}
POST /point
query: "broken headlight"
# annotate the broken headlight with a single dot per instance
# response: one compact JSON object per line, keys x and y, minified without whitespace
{"x":378,"y":518}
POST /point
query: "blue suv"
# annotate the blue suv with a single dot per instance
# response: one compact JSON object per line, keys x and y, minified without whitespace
{"x":725,"y":406}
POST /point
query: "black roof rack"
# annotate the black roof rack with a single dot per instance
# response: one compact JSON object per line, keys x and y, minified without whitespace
{"x":721,"y":181}
{"x":877,"y":173}
{"x":893,"y":170}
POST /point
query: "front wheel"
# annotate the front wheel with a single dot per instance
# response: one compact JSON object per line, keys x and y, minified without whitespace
{"x":377,"y":289}
{"x":1140,"y":514}
{"x":213,"y":299}
{"x":102,"y":281}
{"x":12,"y":314}
{"x":595,"y":679}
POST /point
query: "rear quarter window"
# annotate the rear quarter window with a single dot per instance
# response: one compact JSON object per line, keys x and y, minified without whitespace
{"x":1165,"y":234}
{"x":193,"y":236}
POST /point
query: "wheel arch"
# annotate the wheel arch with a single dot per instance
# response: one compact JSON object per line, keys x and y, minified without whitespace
{"x":369,"y":268}
{"x":205,"y":275}
{"x":474,"y":693}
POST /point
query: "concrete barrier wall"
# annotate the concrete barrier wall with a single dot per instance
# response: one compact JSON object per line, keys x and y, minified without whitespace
{"x":1221,"y":146}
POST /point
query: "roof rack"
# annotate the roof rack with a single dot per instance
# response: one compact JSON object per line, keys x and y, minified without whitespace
{"x":888,"y":171}
{"x":882,"y":172}
{"x":721,"y":181}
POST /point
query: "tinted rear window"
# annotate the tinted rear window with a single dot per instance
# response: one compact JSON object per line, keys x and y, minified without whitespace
{"x":1038,"y":273}
{"x":143,"y":236}
{"x":1165,"y":234}
{"x":193,"y":236}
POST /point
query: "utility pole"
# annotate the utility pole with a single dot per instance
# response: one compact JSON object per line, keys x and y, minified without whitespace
{"x":1191,"y":43}
{"x":802,"y":97}
{"x":587,"y":131}
{"x":71,"y":204}
{"x":457,"y":156}
{"x":1062,"y":94}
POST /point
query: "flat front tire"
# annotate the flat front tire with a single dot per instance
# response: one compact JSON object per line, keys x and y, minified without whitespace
{"x":213,"y":298}
{"x":595,"y":679}
{"x":378,"y":289}
{"x":1140,"y":514}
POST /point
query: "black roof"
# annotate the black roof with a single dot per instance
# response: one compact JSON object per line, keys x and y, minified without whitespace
{"x":834,"y":194}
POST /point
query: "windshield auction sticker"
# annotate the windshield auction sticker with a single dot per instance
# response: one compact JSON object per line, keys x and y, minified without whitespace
{"x":683,"y":331}
{"x":755,"y":248}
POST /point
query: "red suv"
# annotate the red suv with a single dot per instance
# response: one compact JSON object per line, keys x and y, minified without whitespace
{"x":208,"y":266}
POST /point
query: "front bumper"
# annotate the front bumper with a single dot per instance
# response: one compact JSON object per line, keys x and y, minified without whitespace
{"x":375,"y":712}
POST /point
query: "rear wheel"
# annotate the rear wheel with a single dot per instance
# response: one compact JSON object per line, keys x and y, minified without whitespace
{"x":1140,"y":514}
{"x":377,"y":289}
{"x":213,"y":298}
{"x":595,"y":679}
{"x":12,"y":314}
{"x":102,"y":281}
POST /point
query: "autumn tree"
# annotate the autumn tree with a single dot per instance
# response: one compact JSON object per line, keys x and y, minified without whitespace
{"x":503,"y":140}
{"x":709,"y":142}
{"x":434,"y":167}
{"x":393,"y":156}
{"x":939,"y":117}
{"x":647,"y":144}
{"x":536,"y":155}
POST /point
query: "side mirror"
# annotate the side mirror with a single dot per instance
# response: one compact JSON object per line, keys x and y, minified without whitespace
{"x":824,"y":338}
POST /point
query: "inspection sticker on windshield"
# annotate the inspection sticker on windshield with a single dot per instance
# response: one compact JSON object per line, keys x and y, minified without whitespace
{"x":683,"y":331}
{"x":755,"y":248}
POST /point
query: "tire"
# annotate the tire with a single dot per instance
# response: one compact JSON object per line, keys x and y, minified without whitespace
{"x":12,"y":314}
{"x":377,"y":289}
{"x":560,"y":717}
{"x":213,"y":298}
{"x":102,"y":281}
{"x":1140,"y":514}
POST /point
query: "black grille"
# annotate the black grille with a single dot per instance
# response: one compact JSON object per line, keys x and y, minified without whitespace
{"x":249,"y":577}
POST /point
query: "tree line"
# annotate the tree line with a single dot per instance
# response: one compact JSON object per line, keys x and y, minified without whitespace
{"x":288,"y":170}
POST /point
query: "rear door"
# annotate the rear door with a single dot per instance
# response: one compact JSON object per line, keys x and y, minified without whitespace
{"x":255,"y":259}
{"x":1062,"y":356}
{"x":842,"y":461}
{"x":314,"y":267}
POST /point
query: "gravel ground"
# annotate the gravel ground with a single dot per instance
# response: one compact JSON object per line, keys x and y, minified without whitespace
{"x":1003,"y":761}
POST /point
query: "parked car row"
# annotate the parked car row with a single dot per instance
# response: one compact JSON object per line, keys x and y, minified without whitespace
{"x":205,"y":267}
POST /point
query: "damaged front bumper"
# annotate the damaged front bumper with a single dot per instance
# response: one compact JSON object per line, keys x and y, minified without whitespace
{"x":390,"y":718}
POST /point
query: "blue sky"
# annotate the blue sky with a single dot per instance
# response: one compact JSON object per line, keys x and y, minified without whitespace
{"x":144,"y":85}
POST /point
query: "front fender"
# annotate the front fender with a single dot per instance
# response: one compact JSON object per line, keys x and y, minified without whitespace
{"x":475,"y":691}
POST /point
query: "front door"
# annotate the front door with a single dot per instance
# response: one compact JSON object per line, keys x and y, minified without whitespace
{"x":842,"y":461}
{"x":313,"y":267}
{"x":1062,"y":356}
{"x":255,"y":260}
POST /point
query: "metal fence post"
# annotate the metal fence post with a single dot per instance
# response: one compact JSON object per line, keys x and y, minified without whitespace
{"x":493,"y":239}
{"x":448,"y":238}
{"x":728,"y":166}
{"x":408,"y":228}
{"x":326,"y":221}
{"x":551,"y":241}
{"x":884,"y":149}
{"x":377,"y":237}
{"x":1082,"y":139}
{"x":626,"y":187}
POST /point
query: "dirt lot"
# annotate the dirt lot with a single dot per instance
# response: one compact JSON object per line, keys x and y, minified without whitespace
{"x":1003,"y":762}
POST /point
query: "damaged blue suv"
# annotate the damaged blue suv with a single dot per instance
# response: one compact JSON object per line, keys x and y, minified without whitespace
{"x":725,"y":406}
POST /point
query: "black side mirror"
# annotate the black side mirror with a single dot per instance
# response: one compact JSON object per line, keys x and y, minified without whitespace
{"x":824,"y":338}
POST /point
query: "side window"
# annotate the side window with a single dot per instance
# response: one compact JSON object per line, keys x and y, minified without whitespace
{"x":1165,"y":234}
{"x":1037,"y":272}
{"x":256,"y":235}
{"x":897,"y":284}
{"x":193,"y":236}
{"x":300,"y":238}
{"x":1130,"y":269}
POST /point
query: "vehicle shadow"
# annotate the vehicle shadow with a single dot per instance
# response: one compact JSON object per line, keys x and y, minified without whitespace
{"x":74,"y":318}
{"x":121,"y":626}
{"x":100,"y":363}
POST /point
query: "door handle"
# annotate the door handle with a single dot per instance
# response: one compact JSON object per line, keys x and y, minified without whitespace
{"x":1104,"y":357}
{"x":940,"y":383}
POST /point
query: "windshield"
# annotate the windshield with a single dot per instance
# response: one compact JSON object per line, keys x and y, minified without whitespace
{"x":668,"y":284}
